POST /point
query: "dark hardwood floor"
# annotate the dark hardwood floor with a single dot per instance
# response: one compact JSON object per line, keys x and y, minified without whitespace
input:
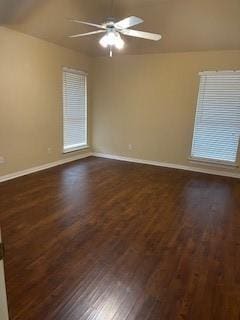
{"x":101,"y":239}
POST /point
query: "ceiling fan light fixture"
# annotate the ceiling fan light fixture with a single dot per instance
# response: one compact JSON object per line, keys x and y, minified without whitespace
{"x":110,"y":39}
{"x":119,"y":44}
{"x":104,"y":41}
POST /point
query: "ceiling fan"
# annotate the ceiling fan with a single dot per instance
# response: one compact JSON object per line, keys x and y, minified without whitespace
{"x":112,"y":32}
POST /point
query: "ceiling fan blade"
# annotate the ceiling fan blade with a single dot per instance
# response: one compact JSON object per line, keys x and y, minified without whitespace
{"x":86,"y":34}
{"x":141,"y":34}
{"x":89,"y":24}
{"x":128,"y":22}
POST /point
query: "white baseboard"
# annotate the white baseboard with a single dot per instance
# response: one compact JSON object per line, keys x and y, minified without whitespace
{"x":122,"y":158}
{"x":169,"y":165}
{"x":43,"y":167}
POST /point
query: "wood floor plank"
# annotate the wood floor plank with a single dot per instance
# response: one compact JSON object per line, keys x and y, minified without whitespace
{"x":101,"y":239}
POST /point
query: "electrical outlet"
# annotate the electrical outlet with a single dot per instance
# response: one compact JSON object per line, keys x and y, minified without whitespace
{"x":2,"y":160}
{"x":130,"y":147}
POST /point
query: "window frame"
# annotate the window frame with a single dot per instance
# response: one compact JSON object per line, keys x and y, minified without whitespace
{"x":78,"y":147}
{"x":209,"y":161}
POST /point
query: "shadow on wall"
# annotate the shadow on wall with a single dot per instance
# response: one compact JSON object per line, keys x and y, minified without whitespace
{"x":12,"y":11}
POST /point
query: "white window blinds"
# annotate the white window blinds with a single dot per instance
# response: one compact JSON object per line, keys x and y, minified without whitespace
{"x":217,"y":122}
{"x":74,"y":109}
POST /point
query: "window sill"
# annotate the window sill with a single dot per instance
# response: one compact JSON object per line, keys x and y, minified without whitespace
{"x":214,"y":163}
{"x":74,"y":149}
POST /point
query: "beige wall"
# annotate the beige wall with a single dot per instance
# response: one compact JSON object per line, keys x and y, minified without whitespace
{"x":31,"y":99}
{"x":149,"y":101}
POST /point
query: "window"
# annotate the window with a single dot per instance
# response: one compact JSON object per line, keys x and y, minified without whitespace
{"x":74,"y":110}
{"x":217,"y":122}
